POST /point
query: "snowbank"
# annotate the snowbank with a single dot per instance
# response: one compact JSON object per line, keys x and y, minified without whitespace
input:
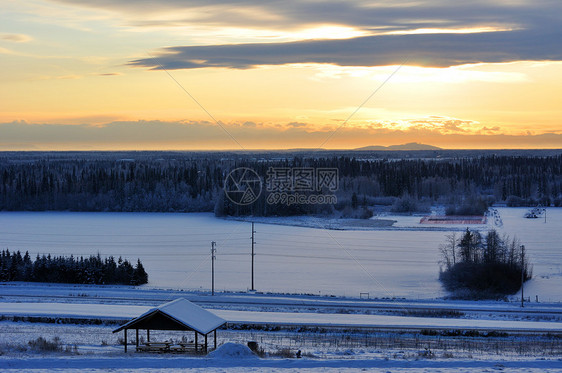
{"x":232,"y":351}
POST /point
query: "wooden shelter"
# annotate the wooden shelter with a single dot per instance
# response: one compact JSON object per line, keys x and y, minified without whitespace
{"x":179,"y":314}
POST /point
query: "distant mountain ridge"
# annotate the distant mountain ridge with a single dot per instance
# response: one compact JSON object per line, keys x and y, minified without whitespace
{"x":408,"y":146}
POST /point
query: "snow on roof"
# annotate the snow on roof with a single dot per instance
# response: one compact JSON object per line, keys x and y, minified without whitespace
{"x":183,"y":312}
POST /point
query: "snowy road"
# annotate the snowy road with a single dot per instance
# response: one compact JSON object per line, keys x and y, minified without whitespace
{"x":122,"y":312}
{"x":127,"y":295}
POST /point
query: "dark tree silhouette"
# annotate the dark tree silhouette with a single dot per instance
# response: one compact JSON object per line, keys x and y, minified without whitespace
{"x":489,"y":268}
{"x":91,"y":270}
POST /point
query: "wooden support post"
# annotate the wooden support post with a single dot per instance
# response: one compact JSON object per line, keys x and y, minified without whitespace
{"x":148,"y":335}
{"x":195,"y":341}
{"x":125,"y":340}
{"x":215,"y":337}
{"x":206,"y":342}
{"x":137,"y":343}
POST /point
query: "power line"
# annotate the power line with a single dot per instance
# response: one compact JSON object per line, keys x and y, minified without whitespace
{"x":363,"y":103}
{"x":107,"y":235}
{"x":197,"y":102}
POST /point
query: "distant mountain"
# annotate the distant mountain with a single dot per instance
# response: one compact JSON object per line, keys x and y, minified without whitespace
{"x":409,"y":146}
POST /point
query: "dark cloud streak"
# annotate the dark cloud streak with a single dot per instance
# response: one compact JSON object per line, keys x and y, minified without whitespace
{"x":16,"y":38}
{"x":435,"y":50}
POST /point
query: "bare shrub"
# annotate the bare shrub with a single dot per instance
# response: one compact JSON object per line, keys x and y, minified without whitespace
{"x":284,"y":352}
{"x":43,"y":345}
{"x":426,"y":354}
{"x":71,"y":349}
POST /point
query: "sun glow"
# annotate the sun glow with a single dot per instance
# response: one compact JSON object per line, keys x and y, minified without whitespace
{"x":415,"y":74}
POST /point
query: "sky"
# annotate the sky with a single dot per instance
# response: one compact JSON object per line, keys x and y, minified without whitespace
{"x":261,"y":74}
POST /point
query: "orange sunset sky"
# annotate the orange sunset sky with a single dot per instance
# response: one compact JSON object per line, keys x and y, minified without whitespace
{"x":241,"y":74}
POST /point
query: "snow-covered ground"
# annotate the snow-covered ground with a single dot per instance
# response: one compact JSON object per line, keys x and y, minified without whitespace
{"x":195,"y":365}
{"x":398,"y":261}
{"x":73,"y":364}
{"x":96,"y":348}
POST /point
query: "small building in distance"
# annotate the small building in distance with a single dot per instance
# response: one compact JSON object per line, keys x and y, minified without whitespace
{"x":454,"y":219}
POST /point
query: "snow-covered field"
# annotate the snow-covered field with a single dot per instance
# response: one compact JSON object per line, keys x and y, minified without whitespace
{"x":401,"y":261}
{"x":385,"y":262}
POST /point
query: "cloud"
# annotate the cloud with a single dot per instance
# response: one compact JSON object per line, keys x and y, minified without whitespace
{"x":6,"y":146}
{"x":491,"y":130}
{"x":435,"y":33}
{"x":296,"y":124}
{"x":59,"y":77}
{"x":395,"y":15}
{"x":6,"y":51}
{"x":432,"y":124}
{"x":429,"y":50}
{"x":205,"y":135}
{"x":16,"y":38}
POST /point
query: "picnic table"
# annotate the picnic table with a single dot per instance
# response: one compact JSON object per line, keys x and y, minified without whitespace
{"x":186,"y":347}
{"x":155,"y":346}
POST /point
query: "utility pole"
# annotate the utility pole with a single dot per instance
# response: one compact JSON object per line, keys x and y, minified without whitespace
{"x":253,"y":255}
{"x":213,"y":257}
{"x":522,"y":272}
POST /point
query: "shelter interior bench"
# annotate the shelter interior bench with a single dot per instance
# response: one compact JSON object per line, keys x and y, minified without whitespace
{"x":154,"y":347}
{"x":160,"y":347}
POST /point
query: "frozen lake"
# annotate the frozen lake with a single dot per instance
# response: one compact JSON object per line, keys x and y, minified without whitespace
{"x":175,"y":250}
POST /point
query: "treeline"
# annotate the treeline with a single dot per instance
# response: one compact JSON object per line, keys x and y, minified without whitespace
{"x":108,"y":185}
{"x":479,"y":267}
{"x":60,"y":269}
{"x":182,"y":182}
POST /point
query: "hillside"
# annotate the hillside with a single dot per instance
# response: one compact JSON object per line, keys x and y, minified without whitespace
{"x":404,"y":147}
